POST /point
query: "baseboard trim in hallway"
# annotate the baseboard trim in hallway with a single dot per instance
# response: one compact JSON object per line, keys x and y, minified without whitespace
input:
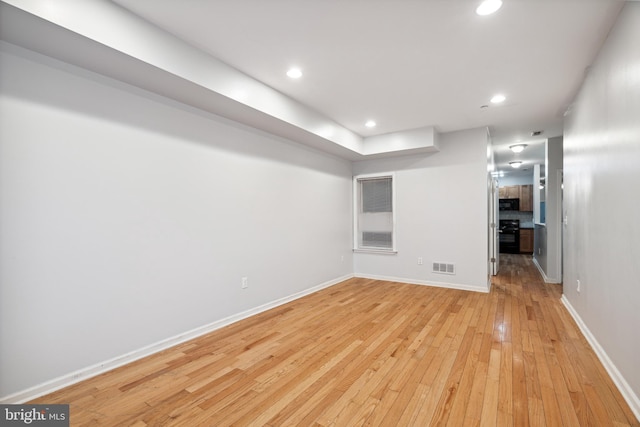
{"x":543,"y":274}
{"x":623,"y":386}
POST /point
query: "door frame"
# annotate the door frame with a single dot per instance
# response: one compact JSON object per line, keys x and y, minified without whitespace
{"x":494,"y":253}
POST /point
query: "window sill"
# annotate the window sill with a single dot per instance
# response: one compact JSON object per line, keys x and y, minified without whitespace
{"x":376,"y":251}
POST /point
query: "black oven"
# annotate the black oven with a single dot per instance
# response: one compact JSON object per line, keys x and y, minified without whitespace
{"x":509,"y":204}
{"x":509,"y":233}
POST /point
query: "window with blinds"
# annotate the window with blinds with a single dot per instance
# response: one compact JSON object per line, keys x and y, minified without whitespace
{"x":374,"y":212}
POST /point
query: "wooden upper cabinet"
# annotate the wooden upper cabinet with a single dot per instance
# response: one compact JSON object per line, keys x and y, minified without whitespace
{"x":526,"y":198}
{"x":513,"y":192}
{"x":522,"y":192}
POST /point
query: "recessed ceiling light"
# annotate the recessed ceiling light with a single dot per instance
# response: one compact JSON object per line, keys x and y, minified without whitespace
{"x":294,"y":73}
{"x":517,"y":148}
{"x":516,"y":164}
{"x":497,"y":99}
{"x":487,"y":7}
{"x":370,"y":124}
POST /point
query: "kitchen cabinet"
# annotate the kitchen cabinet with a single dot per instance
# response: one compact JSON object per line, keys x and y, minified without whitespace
{"x":526,"y":240}
{"x":509,"y":192}
{"x":526,"y":198}
{"x":522,"y":192}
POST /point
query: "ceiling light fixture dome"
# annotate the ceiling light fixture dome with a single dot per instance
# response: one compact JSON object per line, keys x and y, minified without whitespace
{"x":515,"y":164}
{"x":487,"y":7}
{"x":294,"y":73}
{"x":517,"y":148}
{"x":497,"y":99}
{"x":370,"y":124}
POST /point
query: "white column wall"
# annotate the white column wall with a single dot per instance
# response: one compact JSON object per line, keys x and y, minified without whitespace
{"x":553,"y":203}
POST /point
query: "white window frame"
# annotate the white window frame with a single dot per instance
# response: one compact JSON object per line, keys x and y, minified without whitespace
{"x":356,"y":209}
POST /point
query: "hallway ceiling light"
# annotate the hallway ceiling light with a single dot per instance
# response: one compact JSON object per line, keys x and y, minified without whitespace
{"x":497,"y":99}
{"x":487,"y":7}
{"x":515,"y":164}
{"x":370,"y":124}
{"x":518,"y":148}
{"x":294,"y":73}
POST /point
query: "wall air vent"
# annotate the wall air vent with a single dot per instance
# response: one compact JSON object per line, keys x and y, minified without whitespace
{"x":444,"y":268}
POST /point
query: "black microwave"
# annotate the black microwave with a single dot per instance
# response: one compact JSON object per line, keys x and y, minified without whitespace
{"x":509,"y":204}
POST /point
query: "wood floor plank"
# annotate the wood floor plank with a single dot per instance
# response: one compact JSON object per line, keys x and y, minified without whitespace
{"x":473,"y":411}
{"x":454,"y":382}
{"x":372,"y":353}
{"x":463,"y":400}
{"x":489,"y":416}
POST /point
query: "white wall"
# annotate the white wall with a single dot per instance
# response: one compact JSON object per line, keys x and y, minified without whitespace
{"x":519,"y":179}
{"x":602,"y":201}
{"x":441,"y":214}
{"x":553,"y":209}
{"x":547,"y":252}
{"x":127,"y":219}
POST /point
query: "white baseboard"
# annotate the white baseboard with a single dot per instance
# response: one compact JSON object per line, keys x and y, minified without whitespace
{"x":107,"y":365}
{"x":544,"y":275}
{"x":483,"y":289}
{"x":625,"y":389}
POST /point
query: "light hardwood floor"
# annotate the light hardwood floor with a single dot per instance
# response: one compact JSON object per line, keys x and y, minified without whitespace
{"x":368,"y":352}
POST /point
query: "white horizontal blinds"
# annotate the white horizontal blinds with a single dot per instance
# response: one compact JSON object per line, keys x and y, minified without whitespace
{"x":375,"y":213}
{"x":376,"y":195}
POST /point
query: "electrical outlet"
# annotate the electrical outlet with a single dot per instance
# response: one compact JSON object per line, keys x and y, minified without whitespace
{"x":419,"y":260}
{"x":245,"y":283}
{"x":578,"y":285}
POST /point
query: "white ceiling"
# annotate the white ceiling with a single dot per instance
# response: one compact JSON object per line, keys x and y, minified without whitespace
{"x":405,"y":63}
